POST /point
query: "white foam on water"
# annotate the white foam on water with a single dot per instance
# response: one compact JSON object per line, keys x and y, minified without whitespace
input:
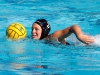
{"x":72,"y":39}
{"x":96,"y":40}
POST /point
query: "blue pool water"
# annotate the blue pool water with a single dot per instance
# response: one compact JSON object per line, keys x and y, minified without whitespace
{"x":32,"y":57}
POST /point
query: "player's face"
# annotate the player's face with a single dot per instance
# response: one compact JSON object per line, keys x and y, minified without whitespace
{"x":36,"y":31}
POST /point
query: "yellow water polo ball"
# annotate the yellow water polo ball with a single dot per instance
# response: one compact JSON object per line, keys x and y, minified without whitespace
{"x":16,"y":31}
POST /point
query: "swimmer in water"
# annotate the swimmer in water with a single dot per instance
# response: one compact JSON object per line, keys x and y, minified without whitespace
{"x":41,"y":29}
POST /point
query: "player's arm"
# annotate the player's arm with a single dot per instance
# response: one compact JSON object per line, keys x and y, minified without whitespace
{"x":61,"y":34}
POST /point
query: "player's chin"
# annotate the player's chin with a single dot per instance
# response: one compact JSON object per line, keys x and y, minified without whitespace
{"x":34,"y":37}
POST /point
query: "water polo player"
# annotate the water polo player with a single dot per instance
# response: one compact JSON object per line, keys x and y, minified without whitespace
{"x":41,"y":29}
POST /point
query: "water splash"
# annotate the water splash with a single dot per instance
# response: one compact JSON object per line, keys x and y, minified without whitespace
{"x":97,"y":40}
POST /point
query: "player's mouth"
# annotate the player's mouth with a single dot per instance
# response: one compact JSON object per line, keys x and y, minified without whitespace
{"x":34,"y":35}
